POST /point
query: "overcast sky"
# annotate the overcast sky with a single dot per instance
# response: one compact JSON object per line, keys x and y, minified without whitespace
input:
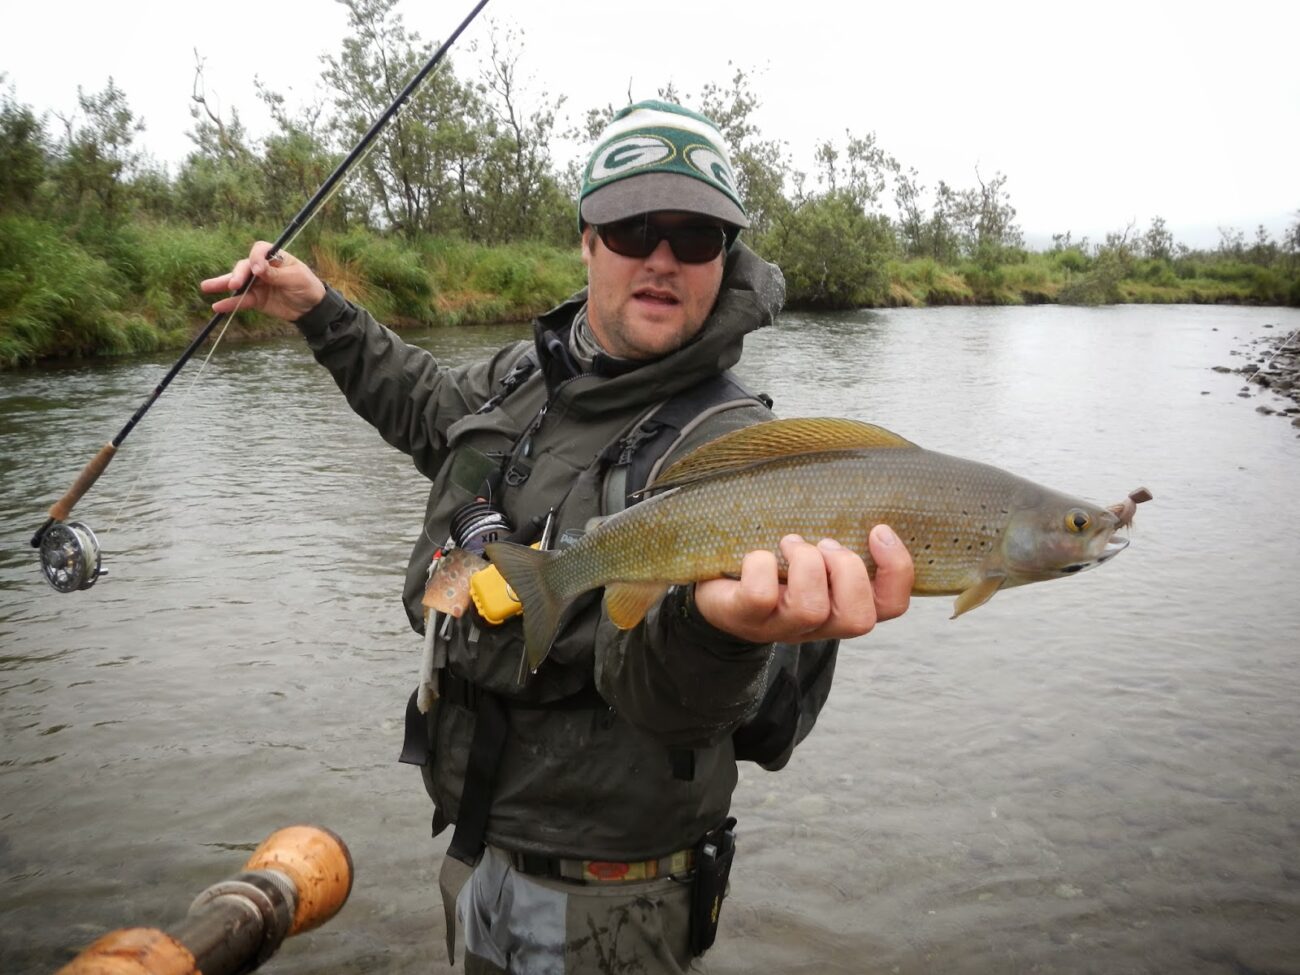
{"x":1099,"y":114}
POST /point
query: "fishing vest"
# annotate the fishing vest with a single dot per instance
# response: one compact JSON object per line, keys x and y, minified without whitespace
{"x":477,"y":669}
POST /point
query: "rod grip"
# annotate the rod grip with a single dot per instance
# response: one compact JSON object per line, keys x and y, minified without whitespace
{"x":60,"y":510}
{"x":317,"y":862}
{"x":133,"y":951}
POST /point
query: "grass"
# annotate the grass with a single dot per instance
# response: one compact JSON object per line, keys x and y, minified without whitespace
{"x":103,"y":289}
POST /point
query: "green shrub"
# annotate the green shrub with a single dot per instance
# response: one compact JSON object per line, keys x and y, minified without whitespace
{"x":832,"y":253}
{"x":55,"y":297}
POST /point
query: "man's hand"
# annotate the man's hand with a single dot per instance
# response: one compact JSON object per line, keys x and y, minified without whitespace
{"x":827,"y":594}
{"x":285,"y":288}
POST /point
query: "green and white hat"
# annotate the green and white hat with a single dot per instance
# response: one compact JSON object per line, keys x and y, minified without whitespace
{"x":658,"y":156}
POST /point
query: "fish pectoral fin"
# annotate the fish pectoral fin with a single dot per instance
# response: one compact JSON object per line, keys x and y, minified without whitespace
{"x":977,"y":595}
{"x":628,"y":602}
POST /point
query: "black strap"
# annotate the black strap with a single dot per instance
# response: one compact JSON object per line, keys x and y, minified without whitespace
{"x":485,"y":749}
{"x":637,"y":452}
{"x":523,"y":368}
{"x":415,"y":739}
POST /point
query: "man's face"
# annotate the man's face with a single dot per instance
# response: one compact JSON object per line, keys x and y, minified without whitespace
{"x":642,"y":308}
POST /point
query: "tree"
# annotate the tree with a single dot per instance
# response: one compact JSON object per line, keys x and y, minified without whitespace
{"x":832,"y":253}
{"x":911,"y":213}
{"x":96,"y":155}
{"x":761,"y":165}
{"x":418,"y":177}
{"x":859,"y":171}
{"x":984,"y":220}
{"x":23,"y":153}
{"x":1264,"y":251}
{"x":221,"y":180}
{"x":296,"y":161}
{"x":1112,"y":263}
{"x":1232,"y":242}
{"x":942,"y":241}
{"x":1291,"y":242}
{"x":1158,"y":242}
{"x":519,"y":197}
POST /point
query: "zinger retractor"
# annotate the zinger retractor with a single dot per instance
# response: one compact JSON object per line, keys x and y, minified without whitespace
{"x":70,"y":556}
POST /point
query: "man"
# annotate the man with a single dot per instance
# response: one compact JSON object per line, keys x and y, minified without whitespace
{"x":590,"y":797}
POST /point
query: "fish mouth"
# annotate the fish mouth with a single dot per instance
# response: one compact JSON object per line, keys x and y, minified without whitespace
{"x":1114,"y":546}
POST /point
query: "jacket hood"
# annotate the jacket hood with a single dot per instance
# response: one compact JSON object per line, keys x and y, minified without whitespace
{"x":752,"y":293}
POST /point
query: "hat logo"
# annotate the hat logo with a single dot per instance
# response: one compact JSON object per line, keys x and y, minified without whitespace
{"x":711,"y":165}
{"x":631,"y":153}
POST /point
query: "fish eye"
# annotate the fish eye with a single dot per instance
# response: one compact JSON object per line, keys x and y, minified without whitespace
{"x":1076,"y":520}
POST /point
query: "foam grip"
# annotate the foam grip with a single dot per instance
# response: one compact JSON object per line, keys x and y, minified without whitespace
{"x":133,"y":951}
{"x":317,"y":863}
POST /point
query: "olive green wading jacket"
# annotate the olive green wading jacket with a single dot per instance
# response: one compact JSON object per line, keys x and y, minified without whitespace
{"x":594,"y":782}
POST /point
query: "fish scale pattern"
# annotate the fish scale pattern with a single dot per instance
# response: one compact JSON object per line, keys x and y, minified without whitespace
{"x":949,"y":512}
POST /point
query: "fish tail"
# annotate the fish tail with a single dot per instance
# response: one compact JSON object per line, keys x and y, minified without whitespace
{"x":523,"y":568}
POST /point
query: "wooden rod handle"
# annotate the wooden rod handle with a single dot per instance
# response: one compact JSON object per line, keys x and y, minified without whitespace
{"x":60,"y":510}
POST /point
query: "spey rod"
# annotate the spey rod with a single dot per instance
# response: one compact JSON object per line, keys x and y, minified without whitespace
{"x":65,"y":563}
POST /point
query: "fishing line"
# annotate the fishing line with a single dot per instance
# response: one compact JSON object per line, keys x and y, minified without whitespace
{"x":170,"y":419}
{"x":230,"y":316}
{"x":1276,"y":352}
{"x":69,"y":551}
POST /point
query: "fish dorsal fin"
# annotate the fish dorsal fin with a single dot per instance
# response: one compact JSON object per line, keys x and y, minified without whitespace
{"x":776,"y":439}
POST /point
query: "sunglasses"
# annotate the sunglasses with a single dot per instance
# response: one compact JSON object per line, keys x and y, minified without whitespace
{"x":691,"y":243}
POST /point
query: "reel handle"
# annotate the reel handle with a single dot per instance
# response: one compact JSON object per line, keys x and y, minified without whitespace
{"x":297,"y":879}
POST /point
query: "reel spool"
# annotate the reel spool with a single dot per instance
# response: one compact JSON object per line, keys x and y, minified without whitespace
{"x":70,"y":556}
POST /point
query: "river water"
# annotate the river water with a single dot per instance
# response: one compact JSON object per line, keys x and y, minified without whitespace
{"x":1100,"y":774}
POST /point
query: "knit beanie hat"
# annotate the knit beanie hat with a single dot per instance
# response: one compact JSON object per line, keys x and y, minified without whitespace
{"x":658,"y":156}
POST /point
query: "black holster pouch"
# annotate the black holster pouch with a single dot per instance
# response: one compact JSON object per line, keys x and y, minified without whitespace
{"x":713,"y":856}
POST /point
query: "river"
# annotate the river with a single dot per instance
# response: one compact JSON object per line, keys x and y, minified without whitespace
{"x":1100,"y":774}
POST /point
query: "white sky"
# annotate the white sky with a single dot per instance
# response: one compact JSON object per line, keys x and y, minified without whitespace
{"x":1099,"y":113}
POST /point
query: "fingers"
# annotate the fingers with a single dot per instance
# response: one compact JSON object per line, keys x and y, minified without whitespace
{"x":852,"y":609}
{"x":742,"y":607}
{"x":281,"y":286}
{"x":894,"y":573}
{"x":256,"y":262}
{"x":827,"y":592}
{"x":226,"y":282}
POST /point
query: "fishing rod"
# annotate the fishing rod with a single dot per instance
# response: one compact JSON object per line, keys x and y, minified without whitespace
{"x":69,"y":551}
{"x":298,"y":879}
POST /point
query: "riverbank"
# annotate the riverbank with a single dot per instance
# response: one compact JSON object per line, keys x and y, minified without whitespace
{"x":85,"y":292}
{"x":1273,"y":364}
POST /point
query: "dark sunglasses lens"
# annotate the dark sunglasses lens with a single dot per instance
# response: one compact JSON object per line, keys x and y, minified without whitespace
{"x":695,"y":244}
{"x":629,"y":238}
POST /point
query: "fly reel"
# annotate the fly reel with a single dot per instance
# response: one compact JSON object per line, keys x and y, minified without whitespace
{"x":70,"y":556}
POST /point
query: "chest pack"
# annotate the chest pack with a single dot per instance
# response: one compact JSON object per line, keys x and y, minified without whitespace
{"x":624,"y":466}
{"x":634,"y":459}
